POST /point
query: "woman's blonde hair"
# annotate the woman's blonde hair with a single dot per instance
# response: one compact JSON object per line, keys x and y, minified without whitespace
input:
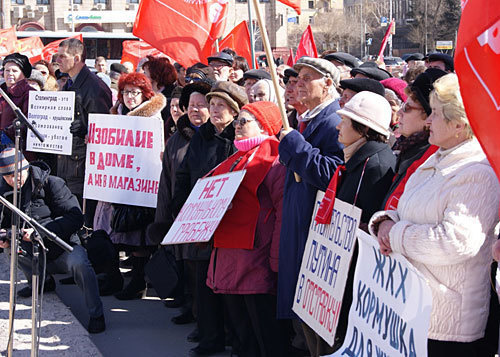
{"x":447,"y":94}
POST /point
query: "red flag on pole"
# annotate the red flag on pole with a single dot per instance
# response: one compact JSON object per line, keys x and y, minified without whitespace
{"x":306,"y":47}
{"x":8,"y":40}
{"x":134,"y":50}
{"x":239,"y":40}
{"x":294,"y":4}
{"x":289,"y":61}
{"x":476,"y":62}
{"x":385,"y":40}
{"x":183,"y":30}
{"x":31,"y":47}
{"x":51,"y":48}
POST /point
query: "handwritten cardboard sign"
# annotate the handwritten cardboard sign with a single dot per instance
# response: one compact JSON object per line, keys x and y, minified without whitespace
{"x":123,"y":159}
{"x":51,"y":113}
{"x":325,"y":264}
{"x":206,"y":205}
{"x":391,"y":306}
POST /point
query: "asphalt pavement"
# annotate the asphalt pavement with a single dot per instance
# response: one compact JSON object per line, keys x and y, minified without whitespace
{"x":140,"y":327}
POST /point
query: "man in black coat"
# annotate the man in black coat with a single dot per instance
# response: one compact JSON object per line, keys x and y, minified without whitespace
{"x":92,"y":95}
{"x":47,"y":199}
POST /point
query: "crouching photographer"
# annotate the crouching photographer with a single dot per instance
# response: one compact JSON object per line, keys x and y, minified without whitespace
{"x":48,"y":200}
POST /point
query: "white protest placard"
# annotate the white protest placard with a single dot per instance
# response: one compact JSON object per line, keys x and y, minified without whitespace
{"x":123,"y":162}
{"x":391,"y":306}
{"x":51,"y":113}
{"x":324,"y":268}
{"x":206,"y":205}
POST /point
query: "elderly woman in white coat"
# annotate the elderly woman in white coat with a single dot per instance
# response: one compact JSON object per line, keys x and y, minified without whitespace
{"x":445,"y":223}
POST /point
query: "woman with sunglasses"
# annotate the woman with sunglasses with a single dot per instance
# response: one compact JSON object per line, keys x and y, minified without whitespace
{"x":135,"y":98}
{"x":412,"y":147}
{"x":244,"y":262}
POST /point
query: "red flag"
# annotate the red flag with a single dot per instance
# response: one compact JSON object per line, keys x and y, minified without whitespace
{"x":295,"y":4}
{"x":8,"y":40}
{"x":239,"y":40}
{"x":306,"y":47}
{"x":51,"y":48}
{"x":289,"y":61}
{"x":183,"y":30}
{"x":476,"y":62}
{"x":134,"y":50}
{"x":384,"y":41}
{"x":31,"y":47}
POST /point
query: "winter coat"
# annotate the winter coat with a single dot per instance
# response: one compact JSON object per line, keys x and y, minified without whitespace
{"x":19,"y":94}
{"x":48,"y":200}
{"x":445,"y":225}
{"x":254,"y":271}
{"x":92,"y":95}
{"x":104,"y":210}
{"x":174,"y":153}
{"x":206,"y":150}
{"x":314,"y":156}
{"x":376,"y":181}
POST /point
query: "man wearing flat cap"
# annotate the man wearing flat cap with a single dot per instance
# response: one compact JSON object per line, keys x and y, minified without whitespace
{"x":353,"y":86}
{"x":253,"y":76}
{"x":311,"y":155}
{"x":368,"y":70}
{"x":222,"y":63}
{"x":344,"y":62}
{"x":441,"y":61}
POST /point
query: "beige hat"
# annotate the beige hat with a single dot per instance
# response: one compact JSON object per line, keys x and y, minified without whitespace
{"x":369,"y":109}
{"x":322,"y":66}
{"x":233,"y":94}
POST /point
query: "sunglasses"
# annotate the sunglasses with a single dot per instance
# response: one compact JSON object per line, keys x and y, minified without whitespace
{"x":241,"y":121}
{"x":408,"y":108}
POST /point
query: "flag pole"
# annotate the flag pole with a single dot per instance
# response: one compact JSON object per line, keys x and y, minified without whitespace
{"x":272,"y":65}
{"x":252,"y":38}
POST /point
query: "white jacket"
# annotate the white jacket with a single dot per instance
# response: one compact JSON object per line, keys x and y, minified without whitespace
{"x":445,"y":225}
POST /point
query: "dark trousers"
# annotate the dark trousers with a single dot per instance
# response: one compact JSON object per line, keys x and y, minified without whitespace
{"x":449,"y":348}
{"x":317,"y":346}
{"x":210,"y":310}
{"x":253,"y":318}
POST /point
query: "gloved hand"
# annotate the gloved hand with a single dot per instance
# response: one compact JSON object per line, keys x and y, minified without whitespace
{"x":78,"y":128}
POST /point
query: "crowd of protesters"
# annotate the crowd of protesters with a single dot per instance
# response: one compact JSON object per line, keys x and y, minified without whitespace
{"x":400,"y":149}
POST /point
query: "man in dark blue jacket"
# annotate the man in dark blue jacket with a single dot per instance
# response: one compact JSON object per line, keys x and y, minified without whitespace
{"x":311,"y":155}
{"x":47,"y":199}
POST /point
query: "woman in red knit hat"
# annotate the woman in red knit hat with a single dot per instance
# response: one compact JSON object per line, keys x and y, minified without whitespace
{"x":244,"y":261}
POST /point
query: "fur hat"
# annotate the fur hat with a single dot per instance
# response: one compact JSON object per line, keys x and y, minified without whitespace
{"x":199,"y":87}
{"x":37,"y":76}
{"x":369,"y":109}
{"x":7,"y":163}
{"x":422,"y":86}
{"x":21,"y":61}
{"x":233,"y":94}
{"x":267,"y":114}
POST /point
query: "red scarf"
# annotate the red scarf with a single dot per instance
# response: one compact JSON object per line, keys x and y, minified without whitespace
{"x":237,"y":228}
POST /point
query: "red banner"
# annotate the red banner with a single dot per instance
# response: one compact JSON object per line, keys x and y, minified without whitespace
{"x":388,"y":34}
{"x":183,"y":30}
{"x":8,"y":40}
{"x":306,"y":47}
{"x":294,"y":4}
{"x":51,"y":48}
{"x":476,"y":62}
{"x":290,"y":61}
{"x":134,"y":50}
{"x":239,"y":40}
{"x":31,"y":47}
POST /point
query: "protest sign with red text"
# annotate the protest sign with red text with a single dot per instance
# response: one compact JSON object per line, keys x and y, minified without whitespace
{"x":206,"y":205}
{"x":123,"y":162}
{"x":325,"y":264}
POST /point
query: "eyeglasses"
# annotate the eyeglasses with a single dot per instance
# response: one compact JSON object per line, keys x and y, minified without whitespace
{"x":133,"y":93}
{"x":405,"y":108}
{"x":241,"y":121}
